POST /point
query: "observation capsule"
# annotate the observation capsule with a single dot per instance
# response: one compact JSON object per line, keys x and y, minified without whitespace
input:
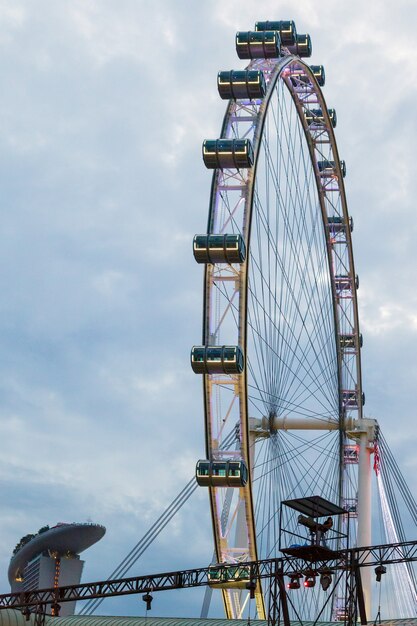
{"x":286,"y":29}
{"x":349,"y":341}
{"x":315,"y":116}
{"x":217,"y":360}
{"x":258,"y":45}
{"x":302,"y":47}
{"x":219,"y":249}
{"x":241,"y":84}
{"x":327,"y":168}
{"x":344,"y":282}
{"x":351,"y":398}
{"x":337,"y":224}
{"x":350,"y":454}
{"x":229,"y":577}
{"x":221,"y":473}
{"x":319,"y":74}
{"x":228,"y":153}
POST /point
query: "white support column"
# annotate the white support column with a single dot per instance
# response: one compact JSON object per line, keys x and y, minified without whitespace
{"x":364,"y":492}
{"x":364,"y":433}
{"x":364,"y":512}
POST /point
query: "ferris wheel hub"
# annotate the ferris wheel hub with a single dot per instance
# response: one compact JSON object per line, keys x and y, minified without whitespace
{"x":355,"y":428}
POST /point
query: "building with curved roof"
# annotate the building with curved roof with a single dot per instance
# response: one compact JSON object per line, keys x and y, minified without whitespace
{"x":50,"y":558}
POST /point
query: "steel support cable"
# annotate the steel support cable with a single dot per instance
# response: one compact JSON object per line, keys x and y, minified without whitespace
{"x":389,"y":468}
{"x":306,"y":388}
{"x":273,"y":470}
{"x":287,"y":455}
{"x":389,"y":472}
{"x":408,"y":497}
{"x":389,"y":480}
{"x":299,"y":365}
{"x":392,"y":500}
{"x":393,"y":505}
{"x":323,"y":471}
{"x":406,"y":494}
{"x":296,"y":302}
{"x":261,"y":504}
{"x":266,"y":516}
{"x":146,"y":541}
{"x":307,"y":256}
{"x":273,"y":323}
{"x":404,"y":586}
{"x":132,"y":557}
{"x":309,"y":248}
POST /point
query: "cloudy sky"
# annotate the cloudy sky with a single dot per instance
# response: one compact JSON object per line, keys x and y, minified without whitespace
{"x":103,"y":108}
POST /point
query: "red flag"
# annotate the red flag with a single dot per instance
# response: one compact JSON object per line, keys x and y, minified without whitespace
{"x":377,"y":459}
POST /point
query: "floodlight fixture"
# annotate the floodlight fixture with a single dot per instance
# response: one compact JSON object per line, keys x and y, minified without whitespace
{"x":309,"y":581}
{"x":251,"y":586}
{"x":379,"y":570}
{"x":325,"y":580}
{"x":148,"y":599}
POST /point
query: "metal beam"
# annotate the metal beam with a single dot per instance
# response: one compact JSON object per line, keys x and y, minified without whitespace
{"x":265,"y":569}
{"x":360,"y":596}
{"x":404,"y":552}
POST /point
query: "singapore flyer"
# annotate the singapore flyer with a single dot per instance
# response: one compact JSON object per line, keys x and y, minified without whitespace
{"x":280,"y":352}
{"x":185,"y":179}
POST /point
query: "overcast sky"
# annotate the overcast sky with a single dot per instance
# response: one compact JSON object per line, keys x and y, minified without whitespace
{"x":103,"y":108}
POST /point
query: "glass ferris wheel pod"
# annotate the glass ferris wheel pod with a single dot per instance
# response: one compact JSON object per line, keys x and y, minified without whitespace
{"x":280,"y":353}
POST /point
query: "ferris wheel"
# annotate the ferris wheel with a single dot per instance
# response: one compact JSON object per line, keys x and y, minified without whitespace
{"x":280,"y":352}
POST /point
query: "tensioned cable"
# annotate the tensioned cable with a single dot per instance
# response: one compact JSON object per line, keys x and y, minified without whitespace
{"x":234,"y":313}
{"x":146,"y":541}
{"x":132,"y":557}
{"x":309,"y":180}
{"x":286,"y":342}
{"x":302,"y":223}
{"x":395,"y":484}
{"x":288,"y":279}
{"x":284,"y":461}
{"x":388,"y":458}
{"x":270,"y":493}
{"x":328,"y":342}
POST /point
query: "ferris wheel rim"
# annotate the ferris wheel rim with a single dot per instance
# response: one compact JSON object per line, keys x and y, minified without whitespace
{"x":279,"y":69}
